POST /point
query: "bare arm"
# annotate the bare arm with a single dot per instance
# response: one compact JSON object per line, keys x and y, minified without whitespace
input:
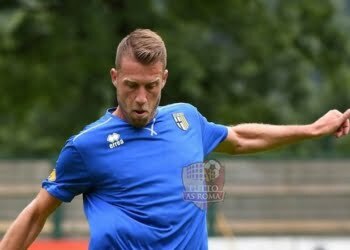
{"x":252,"y":137}
{"x":29,"y":222}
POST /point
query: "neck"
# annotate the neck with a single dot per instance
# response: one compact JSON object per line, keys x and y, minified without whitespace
{"x":119,"y":113}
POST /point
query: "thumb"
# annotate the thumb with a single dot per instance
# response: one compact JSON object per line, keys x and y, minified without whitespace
{"x":346,"y":115}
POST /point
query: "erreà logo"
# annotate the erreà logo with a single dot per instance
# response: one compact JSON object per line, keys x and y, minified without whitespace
{"x":114,"y":140}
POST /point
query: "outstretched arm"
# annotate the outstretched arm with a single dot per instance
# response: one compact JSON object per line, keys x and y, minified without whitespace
{"x":252,"y":137}
{"x":29,"y":222}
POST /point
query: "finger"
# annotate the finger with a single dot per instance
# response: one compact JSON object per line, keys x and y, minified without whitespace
{"x":344,"y":122}
{"x":347,"y":127}
{"x":346,"y":115}
{"x":344,"y":130}
{"x":338,"y":133}
{"x":341,"y":131}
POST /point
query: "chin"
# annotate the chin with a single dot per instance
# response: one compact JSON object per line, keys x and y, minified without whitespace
{"x":138,"y":124}
{"x":139,"y":121}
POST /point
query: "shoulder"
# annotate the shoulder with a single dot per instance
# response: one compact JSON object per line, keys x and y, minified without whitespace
{"x":77,"y":145}
{"x":90,"y":131}
{"x":181,"y":113}
{"x":179,"y":107}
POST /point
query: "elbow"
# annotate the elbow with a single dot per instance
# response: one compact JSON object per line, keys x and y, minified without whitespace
{"x":242,"y":144}
{"x":237,"y":143}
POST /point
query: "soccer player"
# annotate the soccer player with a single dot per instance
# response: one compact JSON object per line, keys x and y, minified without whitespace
{"x":129,"y":164}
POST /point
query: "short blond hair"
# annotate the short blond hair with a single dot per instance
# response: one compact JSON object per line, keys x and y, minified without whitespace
{"x":145,"y":45}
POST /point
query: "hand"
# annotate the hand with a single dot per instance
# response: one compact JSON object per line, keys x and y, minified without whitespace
{"x":333,"y":122}
{"x":344,"y":128}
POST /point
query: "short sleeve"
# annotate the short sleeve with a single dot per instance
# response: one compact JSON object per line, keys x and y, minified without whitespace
{"x":212,"y":134}
{"x":70,"y":176}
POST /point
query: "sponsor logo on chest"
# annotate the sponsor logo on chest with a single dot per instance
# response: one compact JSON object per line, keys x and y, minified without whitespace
{"x":114,"y":140}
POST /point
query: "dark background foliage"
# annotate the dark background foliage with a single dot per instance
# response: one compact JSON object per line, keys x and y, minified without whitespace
{"x":268,"y":61}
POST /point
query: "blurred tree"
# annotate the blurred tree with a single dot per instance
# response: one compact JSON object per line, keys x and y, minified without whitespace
{"x":238,"y":61}
{"x":263,"y":61}
{"x":54,"y":72}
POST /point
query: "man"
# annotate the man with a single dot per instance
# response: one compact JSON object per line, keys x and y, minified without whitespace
{"x":128,"y":164}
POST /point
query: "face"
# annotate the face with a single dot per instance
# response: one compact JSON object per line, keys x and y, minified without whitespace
{"x":138,"y":90}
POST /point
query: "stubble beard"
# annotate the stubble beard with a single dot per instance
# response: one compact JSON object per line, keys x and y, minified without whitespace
{"x":137,"y":123}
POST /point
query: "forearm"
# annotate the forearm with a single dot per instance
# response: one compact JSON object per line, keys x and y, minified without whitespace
{"x":24,"y":230}
{"x":252,"y":137}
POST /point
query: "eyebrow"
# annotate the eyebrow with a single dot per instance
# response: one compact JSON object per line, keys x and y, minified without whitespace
{"x":130,"y":81}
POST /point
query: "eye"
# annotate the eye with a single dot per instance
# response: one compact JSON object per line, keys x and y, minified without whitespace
{"x":131,"y":85}
{"x":151,"y":85}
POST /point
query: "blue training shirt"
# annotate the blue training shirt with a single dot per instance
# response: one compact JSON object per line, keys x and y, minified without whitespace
{"x":131,"y":179}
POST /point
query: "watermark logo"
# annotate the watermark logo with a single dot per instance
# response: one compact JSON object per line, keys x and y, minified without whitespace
{"x":204,"y":182}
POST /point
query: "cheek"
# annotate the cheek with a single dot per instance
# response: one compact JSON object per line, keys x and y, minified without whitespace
{"x":125,"y":95}
{"x":123,"y":99}
{"x":154,"y":96}
{"x":152,"y":99}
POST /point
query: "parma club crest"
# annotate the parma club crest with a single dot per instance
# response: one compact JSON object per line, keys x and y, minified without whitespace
{"x":181,"y":121}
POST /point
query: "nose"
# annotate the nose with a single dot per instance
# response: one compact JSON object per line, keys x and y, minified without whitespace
{"x":141,"y":96}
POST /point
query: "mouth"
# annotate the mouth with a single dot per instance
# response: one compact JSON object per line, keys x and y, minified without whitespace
{"x":140,"y":112}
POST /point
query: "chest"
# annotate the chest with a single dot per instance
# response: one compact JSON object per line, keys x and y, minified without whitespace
{"x":154,"y":155}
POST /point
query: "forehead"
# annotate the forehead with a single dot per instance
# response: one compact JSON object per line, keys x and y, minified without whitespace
{"x":131,"y":69}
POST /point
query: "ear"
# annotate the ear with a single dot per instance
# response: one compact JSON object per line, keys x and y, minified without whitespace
{"x":114,"y":74}
{"x":165,"y":77}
